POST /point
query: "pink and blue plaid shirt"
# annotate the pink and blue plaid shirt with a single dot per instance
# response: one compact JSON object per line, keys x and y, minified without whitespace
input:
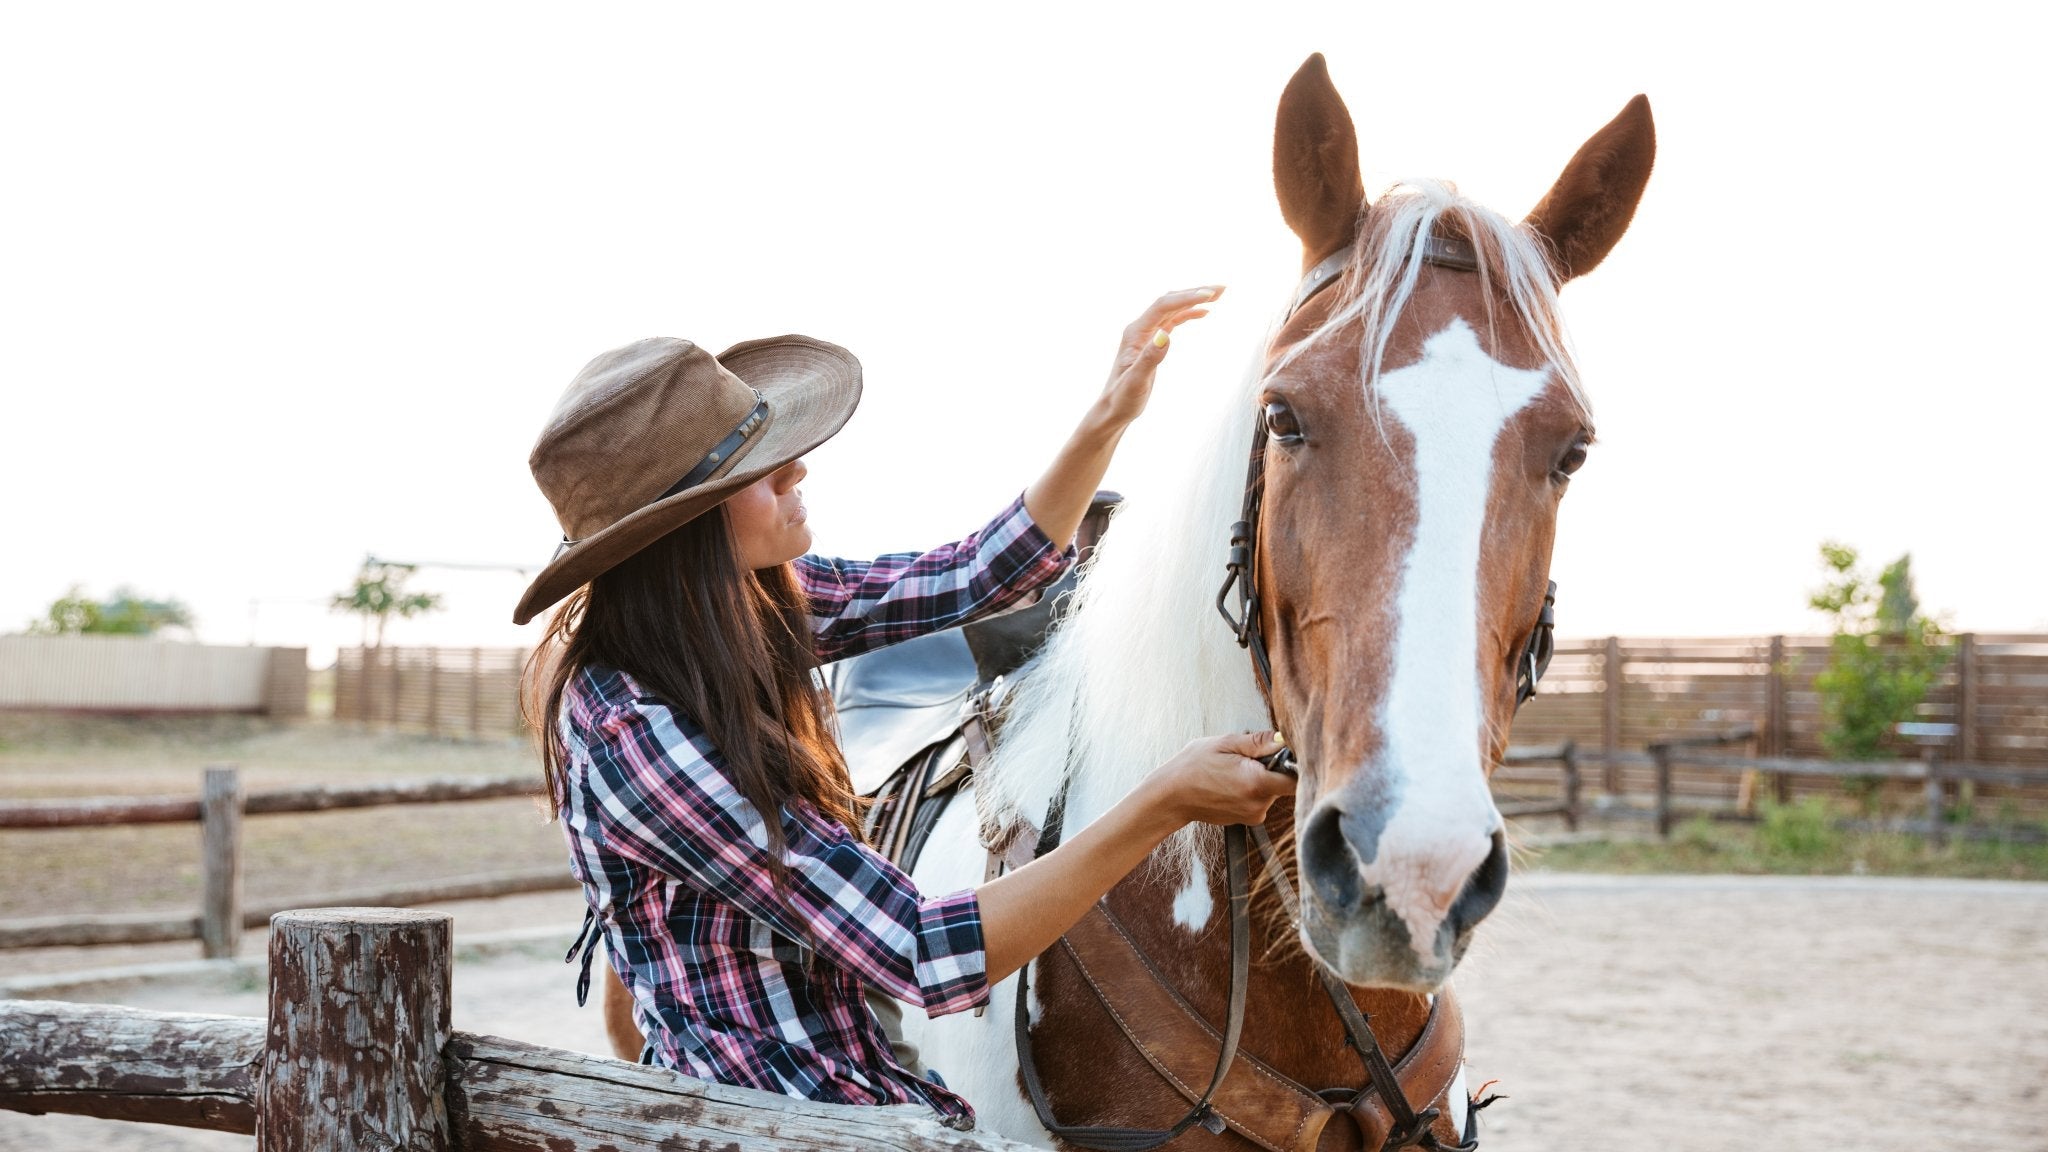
{"x":673,"y":859}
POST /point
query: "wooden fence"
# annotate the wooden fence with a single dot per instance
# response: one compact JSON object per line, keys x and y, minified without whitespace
{"x":472,"y":692}
{"x":351,"y":983}
{"x":219,"y":809}
{"x":1615,"y":698}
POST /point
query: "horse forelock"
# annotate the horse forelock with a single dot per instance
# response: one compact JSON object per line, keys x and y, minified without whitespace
{"x":1386,"y":266}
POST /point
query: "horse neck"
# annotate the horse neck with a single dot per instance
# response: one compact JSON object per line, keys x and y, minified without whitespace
{"x":1142,"y":664}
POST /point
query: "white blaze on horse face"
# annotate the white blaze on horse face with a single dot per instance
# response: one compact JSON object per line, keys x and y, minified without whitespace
{"x":1454,"y":403}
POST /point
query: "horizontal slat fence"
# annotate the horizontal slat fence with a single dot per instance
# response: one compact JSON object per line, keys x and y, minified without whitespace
{"x":1611,"y":698}
{"x":472,"y":692}
{"x":1615,"y":697}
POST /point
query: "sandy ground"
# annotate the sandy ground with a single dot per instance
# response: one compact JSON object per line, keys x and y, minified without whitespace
{"x":1682,"y":1014}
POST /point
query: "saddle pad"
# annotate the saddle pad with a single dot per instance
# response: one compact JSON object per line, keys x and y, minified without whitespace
{"x":897,"y":701}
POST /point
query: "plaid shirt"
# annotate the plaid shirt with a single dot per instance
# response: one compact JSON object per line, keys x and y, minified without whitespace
{"x":673,"y":859}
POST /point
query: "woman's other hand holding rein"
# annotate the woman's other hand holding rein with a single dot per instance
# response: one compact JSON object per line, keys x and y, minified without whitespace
{"x":1216,"y":780}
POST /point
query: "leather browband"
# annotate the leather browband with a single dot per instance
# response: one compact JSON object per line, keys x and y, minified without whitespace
{"x":725,"y":449}
{"x":1442,"y":251}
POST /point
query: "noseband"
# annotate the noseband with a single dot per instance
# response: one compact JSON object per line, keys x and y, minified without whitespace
{"x":1242,"y":567}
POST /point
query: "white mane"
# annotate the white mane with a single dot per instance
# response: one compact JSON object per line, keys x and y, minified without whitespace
{"x":1143,"y":664}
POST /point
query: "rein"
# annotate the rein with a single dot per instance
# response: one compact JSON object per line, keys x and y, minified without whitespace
{"x":1408,"y":1128}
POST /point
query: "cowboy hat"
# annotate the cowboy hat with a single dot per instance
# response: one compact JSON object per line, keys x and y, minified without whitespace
{"x":650,"y":436}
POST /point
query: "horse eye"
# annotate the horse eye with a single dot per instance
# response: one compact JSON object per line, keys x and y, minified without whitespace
{"x":1281,"y":424}
{"x":1574,"y":457}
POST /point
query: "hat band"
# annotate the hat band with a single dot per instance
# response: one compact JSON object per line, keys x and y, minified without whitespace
{"x":724,"y":451}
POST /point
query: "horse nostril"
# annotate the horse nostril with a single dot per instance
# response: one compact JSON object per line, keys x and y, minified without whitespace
{"x":1483,"y":889}
{"x":1328,"y":863}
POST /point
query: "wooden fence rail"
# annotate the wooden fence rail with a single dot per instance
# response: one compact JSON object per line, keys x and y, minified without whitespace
{"x":219,"y":810}
{"x":1935,"y":775}
{"x":349,"y":981}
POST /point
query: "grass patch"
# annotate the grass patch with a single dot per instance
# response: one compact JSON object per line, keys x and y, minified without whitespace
{"x":1797,"y":839}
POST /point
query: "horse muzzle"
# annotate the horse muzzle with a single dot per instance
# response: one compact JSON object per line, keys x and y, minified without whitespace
{"x":1389,"y":907}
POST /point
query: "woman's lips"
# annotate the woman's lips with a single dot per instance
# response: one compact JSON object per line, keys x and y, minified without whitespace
{"x":800,"y":517}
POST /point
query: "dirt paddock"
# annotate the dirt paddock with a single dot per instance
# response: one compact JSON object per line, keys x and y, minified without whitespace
{"x":1667,"y":1013}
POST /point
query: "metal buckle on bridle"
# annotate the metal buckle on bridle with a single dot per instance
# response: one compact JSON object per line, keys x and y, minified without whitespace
{"x":1537,"y":650}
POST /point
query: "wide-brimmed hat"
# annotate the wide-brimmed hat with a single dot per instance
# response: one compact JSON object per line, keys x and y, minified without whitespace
{"x":650,"y":436}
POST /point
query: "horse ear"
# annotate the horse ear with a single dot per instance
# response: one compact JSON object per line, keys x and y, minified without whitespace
{"x":1587,"y":210}
{"x":1315,"y":162}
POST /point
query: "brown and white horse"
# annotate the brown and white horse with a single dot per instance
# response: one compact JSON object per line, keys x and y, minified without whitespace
{"x":1422,"y":425}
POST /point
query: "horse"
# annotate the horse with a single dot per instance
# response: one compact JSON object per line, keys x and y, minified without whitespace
{"x":1413,"y":424}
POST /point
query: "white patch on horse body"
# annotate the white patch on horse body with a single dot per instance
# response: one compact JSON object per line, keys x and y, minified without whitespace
{"x":1459,"y":1101}
{"x":1193,"y":904}
{"x":1454,"y":403}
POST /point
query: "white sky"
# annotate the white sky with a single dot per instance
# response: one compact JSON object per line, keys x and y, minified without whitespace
{"x":282,"y":287}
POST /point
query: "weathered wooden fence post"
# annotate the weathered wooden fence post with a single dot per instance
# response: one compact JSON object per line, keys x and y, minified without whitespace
{"x":358,"y":1018}
{"x":1776,"y":739}
{"x":1610,"y":718}
{"x":1571,"y":785}
{"x":1937,"y":801}
{"x":1661,"y":753}
{"x":220,"y":832}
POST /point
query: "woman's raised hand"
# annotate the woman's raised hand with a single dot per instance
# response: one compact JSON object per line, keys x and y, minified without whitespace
{"x":1144,"y":345}
{"x":1219,"y":780}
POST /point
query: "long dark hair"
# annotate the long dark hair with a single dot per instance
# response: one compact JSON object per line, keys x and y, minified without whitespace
{"x":727,"y":647}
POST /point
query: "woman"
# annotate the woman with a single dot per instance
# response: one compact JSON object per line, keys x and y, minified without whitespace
{"x":689,"y":751}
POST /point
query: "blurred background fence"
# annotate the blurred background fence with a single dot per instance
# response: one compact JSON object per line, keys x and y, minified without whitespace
{"x":1616,"y":697}
{"x":1611,"y":699}
{"x":471,"y":692}
{"x":138,"y":675}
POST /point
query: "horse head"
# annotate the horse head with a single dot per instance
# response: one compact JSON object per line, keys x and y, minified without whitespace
{"x":1422,"y":420}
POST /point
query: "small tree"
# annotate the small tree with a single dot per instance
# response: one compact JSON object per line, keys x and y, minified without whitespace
{"x":379,"y":593}
{"x":1884,"y":656}
{"x":125,"y":613}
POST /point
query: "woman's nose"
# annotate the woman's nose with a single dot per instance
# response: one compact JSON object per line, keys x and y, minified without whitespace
{"x":791,"y":475}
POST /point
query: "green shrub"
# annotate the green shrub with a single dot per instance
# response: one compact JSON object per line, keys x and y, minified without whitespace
{"x":1884,"y":656}
{"x":1804,"y":830}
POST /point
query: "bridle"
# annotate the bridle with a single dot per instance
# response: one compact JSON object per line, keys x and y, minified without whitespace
{"x":1410,"y":1128}
{"x":1241,"y":564}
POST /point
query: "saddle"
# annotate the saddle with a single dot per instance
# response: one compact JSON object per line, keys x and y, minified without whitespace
{"x":912,"y":716}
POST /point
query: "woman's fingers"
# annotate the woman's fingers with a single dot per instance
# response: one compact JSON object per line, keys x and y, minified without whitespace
{"x":1170,"y":304}
{"x":1252,"y":744}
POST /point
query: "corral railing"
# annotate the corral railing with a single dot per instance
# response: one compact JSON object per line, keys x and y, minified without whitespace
{"x":219,"y":809}
{"x":471,"y":692}
{"x":358,"y":1051}
{"x":1616,"y":697}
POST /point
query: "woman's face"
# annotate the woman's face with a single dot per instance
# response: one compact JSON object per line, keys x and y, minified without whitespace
{"x":767,"y":518}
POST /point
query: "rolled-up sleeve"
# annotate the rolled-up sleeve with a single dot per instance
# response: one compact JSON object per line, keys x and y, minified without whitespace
{"x":667,"y":802}
{"x":856,"y":605}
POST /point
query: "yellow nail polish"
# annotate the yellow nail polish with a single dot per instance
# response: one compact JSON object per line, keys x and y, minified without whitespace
{"x":1159,"y":338}
{"x":1280,"y":738}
